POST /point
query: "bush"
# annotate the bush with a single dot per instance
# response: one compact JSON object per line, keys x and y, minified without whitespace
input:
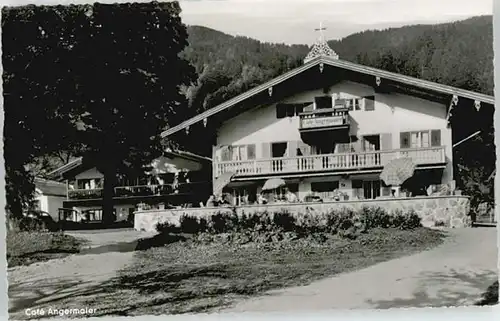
{"x":192,"y":225}
{"x":375,"y":217}
{"x":166,"y":227}
{"x":405,"y":221}
{"x":265,"y":227}
{"x":285,"y":221}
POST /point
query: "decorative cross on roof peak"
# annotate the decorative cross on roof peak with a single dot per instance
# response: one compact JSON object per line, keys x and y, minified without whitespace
{"x":320,"y":48}
{"x":321,"y":29}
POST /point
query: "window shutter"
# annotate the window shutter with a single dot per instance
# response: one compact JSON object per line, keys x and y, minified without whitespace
{"x":266,"y":150}
{"x":300,"y":108}
{"x":435,"y":137}
{"x":225,"y":154}
{"x":369,"y":103}
{"x":386,"y":141}
{"x":216,"y":154}
{"x":404,"y":140}
{"x":251,"y":151}
{"x":280,"y":111}
{"x":323,"y":102}
{"x":292,"y":148}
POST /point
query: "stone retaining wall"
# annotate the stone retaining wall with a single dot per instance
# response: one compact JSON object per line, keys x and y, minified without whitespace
{"x":452,"y":211}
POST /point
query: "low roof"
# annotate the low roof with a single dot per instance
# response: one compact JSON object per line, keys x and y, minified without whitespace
{"x":50,"y":188}
{"x":346,"y":65}
{"x":74,"y":164}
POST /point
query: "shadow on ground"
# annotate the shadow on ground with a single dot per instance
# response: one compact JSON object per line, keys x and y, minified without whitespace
{"x":452,"y":289}
{"x":137,"y":245}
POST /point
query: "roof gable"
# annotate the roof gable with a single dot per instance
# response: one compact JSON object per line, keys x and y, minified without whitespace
{"x":322,"y":62}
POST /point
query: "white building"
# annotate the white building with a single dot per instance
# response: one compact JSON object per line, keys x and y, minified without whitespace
{"x":177,"y":178}
{"x":333,"y":125}
{"x":49,"y":196}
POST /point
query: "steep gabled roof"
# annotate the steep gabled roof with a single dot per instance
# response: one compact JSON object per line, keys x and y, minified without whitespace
{"x":346,"y":65}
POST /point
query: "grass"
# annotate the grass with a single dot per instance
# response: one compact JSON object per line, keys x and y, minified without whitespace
{"x":24,"y":248}
{"x":187,"y":277}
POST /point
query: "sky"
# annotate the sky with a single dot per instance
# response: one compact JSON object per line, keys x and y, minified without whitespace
{"x":294,"y":21}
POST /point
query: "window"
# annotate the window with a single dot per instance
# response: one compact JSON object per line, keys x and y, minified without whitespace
{"x":325,"y":189}
{"x":371,"y":143}
{"x":420,"y":139}
{"x":241,"y":152}
{"x":290,"y":110}
{"x":371,"y":189}
{"x":323,"y":102}
{"x":369,"y":103}
{"x":324,"y":186}
{"x":353,"y":104}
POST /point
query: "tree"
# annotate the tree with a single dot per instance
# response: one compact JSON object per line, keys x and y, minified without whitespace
{"x":37,"y":119}
{"x":116,"y":78}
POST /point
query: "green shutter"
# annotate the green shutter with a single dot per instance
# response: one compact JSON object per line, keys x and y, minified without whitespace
{"x":436,"y":137}
{"x":404,"y":140}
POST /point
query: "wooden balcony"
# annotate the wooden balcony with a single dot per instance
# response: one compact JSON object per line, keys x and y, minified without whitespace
{"x":141,"y":191}
{"x":333,"y":122}
{"x":329,"y":162}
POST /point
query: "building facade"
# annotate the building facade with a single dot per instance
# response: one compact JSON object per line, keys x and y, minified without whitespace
{"x":332,"y":126}
{"x":49,"y":196}
{"x":177,"y":179}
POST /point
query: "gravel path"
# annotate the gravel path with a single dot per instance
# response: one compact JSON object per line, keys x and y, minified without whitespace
{"x":455,"y":273}
{"x":45,"y":285}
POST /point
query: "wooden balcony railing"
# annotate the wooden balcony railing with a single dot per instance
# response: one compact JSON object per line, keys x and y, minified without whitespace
{"x":329,"y":162}
{"x":321,"y":118}
{"x":141,"y":190}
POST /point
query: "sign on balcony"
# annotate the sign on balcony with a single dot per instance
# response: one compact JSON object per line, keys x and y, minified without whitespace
{"x":322,"y":122}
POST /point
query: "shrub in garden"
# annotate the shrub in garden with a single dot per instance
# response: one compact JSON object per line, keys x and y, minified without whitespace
{"x":375,"y":217}
{"x":221,"y":222}
{"x":192,"y":225}
{"x":405,"y":221}
{"x":166,"y":227}
{"x":284,"y":221}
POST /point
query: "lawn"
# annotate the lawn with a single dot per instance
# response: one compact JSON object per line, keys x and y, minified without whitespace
{"x":24,"y":248}
{"x":187,"y":277}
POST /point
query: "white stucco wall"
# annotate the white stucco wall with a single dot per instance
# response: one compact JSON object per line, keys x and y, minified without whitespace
{"x":51,"y":204}
{"x":394,"y":113}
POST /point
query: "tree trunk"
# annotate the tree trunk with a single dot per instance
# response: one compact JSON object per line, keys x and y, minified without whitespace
{"x":108,"y":217}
